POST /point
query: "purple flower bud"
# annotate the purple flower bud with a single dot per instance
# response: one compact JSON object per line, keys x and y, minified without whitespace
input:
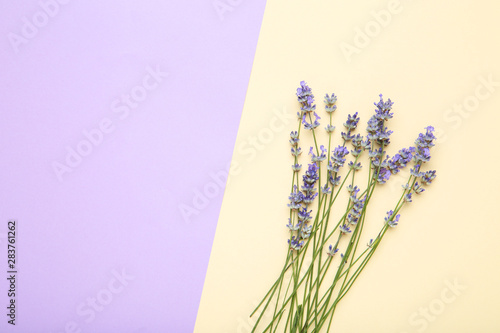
{"x":313,"y":125}
{"x":383,"y":109}
{"x":292,"y":227}
{"x":344,"y":229}
{"x":309,"y":179}
{"x":383,"y":175}
{"x":296,"y":151}
{"x":320,"y":157}
{"x":423,"y":143}
{"x":391,"y":220}
{"x":295,"y":244}
{"x":337,"y":159}
{"x":332,"y":251}
{"x":296,"y":198}
{"x":400,"y":160}
{"x":417,"y":188}
{"x":330,"y":103}
{"x":304,"y":215}
{"x":428,"y":177}
{"x":329,"y":128}
{"x":294,"y":138}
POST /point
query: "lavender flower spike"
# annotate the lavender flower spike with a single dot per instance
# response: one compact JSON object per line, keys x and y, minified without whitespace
{"x":295,"y":244}
{"x":376,"y":129}
{"x":294,"y":138}
{"x":313,"y":124}
{"x":383,"y":111}
{"x":344,"y":229}
{"x":390,"y":220}
{"x":400,"y":160}
{"x":428,"y":177}
{"x":337,"y":159}
{"x":305,"y":98}
{"x":423,"y":143}
{"x":310,"y":178}
{"x":304,"y":215}
{"x":321,"y":157}
{"x":296,"y":198}
{"x":292,"y":227}
{"x":350,"y":125}
{"x":330,"y":106}
{"x":332,"y":251}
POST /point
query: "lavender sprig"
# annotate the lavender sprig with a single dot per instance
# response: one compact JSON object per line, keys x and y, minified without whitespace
{"x":308,"y":226}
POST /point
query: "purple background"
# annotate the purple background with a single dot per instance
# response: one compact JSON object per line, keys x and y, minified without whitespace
{"x":118,"y":210}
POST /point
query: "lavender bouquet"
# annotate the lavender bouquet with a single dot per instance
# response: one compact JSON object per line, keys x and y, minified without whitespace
{"x":307,"y":292}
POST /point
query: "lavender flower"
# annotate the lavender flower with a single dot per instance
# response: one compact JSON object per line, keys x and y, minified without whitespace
{"x":305,"y":232}
{"x":321,"y":157}
{"x":353,"y":191}
{"x":358,"y":144}
{"x":423,"y":155}
{"x":415,"y":171}
{"x":329,"y":128}
{"x":373,"y":128}
{"x":350,"y":125}
{"x":332,"y":251}
{"x":383,"y":109}
{"x":294,"y":138}
{"x":423,"y":143}
{"x":303,"y":92}
{"x":308,"y":105}
{"x":383,"y":136}
{"x":292,"y":227}
{"x":383,"y":175}
{"x":426,"y":140}
{"x":304,"y":215}
{"x":295,"y":244}
{"x":334,"y":181}
{"x":310,"y":178}
{"x":354,"y":166}
{"x":376,"y":130}
{"x":312,"y":125}
{"x":428,"y":177}
{"x":325,"y":189}
{"x":417,"y":188}
{"x":366,"y":144}
{"x":296,"y":198}
{"x":344,"y":229}
{"x":305,"y":98}
{"x":391,"y":220}
{"x":400,"y":160}
{"x":296,"y":167}
{"x":337,"y":159}
{"x":352,"y":122}
{"x":381,"y":167}
{"x":378,"y":163}
{"x":330,"y":103}
{"x":296,"y":151}
{"x":310,"y":198}
{"x":357,"y":208}
{"x":373,"y":154}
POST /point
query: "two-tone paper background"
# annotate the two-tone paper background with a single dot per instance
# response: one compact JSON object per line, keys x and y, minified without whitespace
{"x":120,"y":120}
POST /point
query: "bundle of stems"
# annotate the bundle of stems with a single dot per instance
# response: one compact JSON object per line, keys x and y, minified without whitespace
{"x":306,"y":294}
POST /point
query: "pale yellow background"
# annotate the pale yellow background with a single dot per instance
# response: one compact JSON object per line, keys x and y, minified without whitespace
{"x":427,"y":59}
